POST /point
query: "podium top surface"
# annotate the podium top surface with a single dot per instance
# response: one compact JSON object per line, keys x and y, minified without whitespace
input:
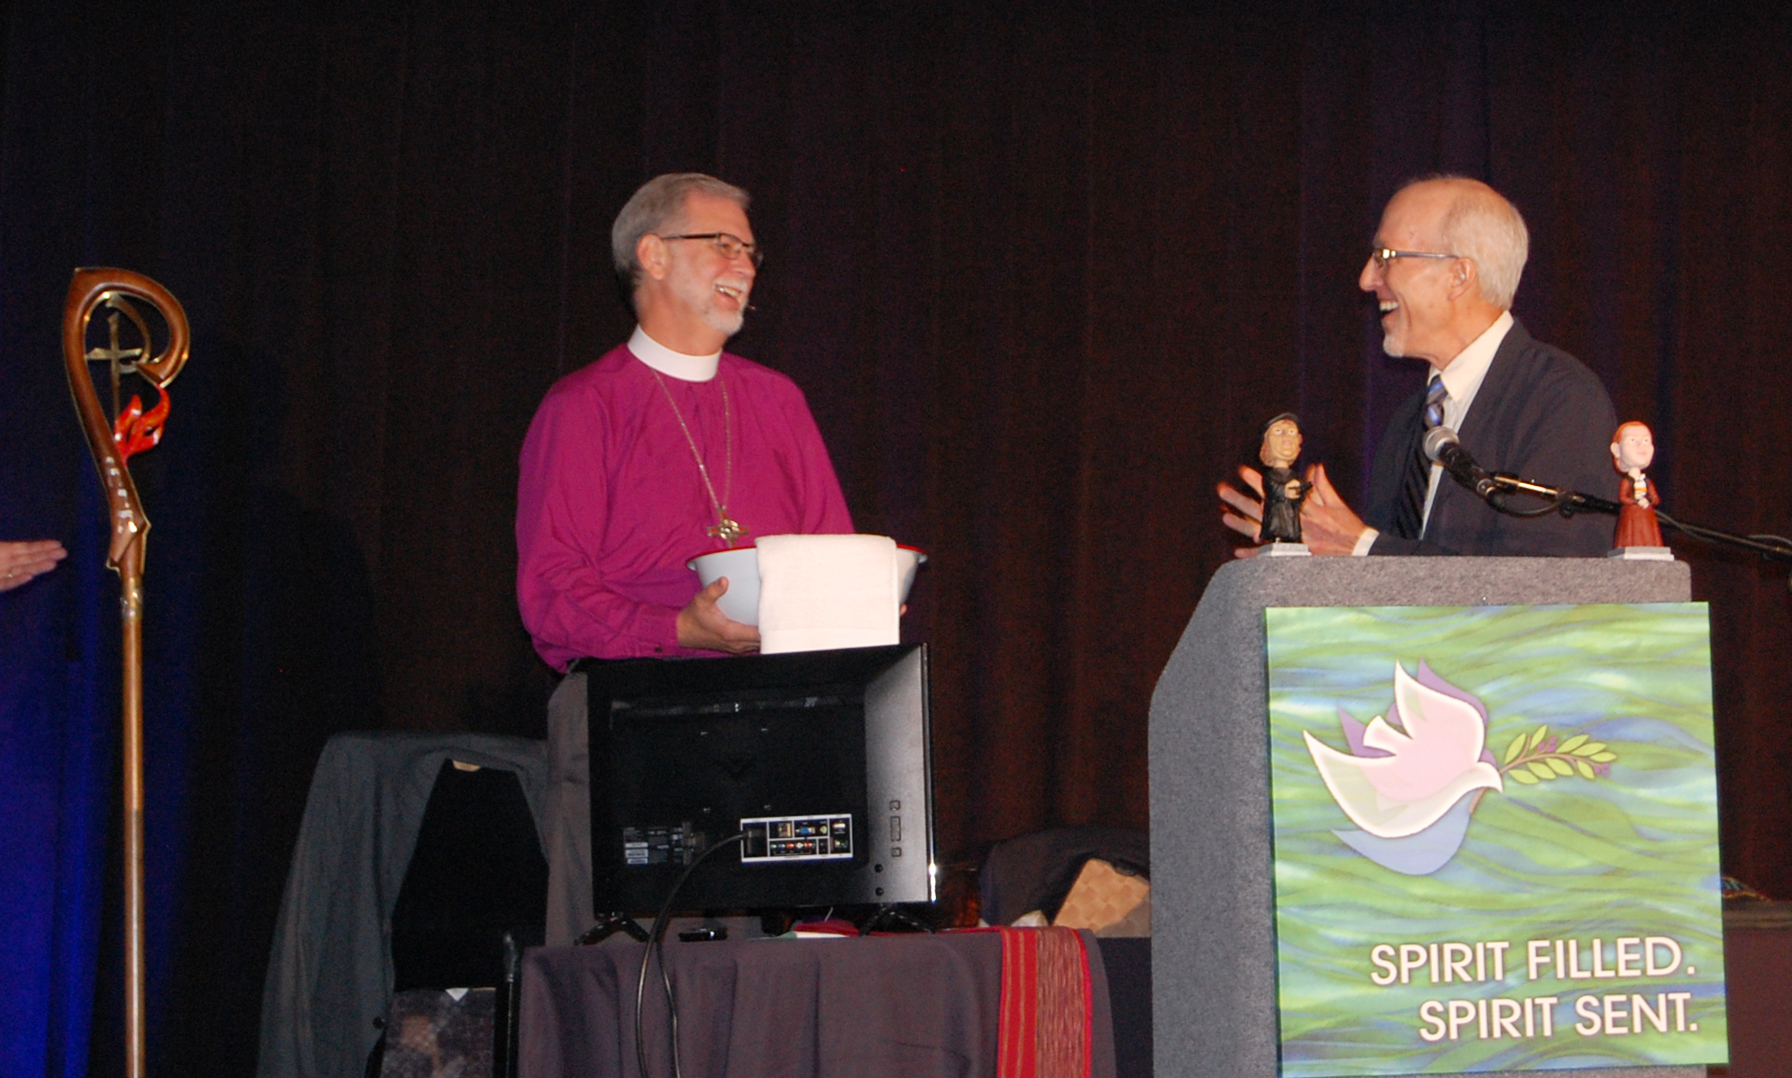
{"x":1253,"y":583}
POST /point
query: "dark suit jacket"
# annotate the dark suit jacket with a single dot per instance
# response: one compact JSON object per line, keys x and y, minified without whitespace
{"x":1540,"y":414}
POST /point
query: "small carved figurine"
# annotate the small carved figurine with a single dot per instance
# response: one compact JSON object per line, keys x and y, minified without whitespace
{"x":1633,"y":447}
{"x":1283,"y":491}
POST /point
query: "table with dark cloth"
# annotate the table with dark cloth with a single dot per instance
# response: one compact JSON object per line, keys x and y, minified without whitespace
{"x":910,"y":1005}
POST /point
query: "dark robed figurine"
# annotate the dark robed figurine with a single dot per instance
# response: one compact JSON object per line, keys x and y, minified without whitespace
{"x":1283,"y":491}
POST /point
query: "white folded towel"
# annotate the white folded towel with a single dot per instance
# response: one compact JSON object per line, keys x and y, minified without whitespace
{"x":827,"y":591}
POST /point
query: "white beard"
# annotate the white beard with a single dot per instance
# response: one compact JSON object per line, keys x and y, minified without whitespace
{"x":728,"y":322}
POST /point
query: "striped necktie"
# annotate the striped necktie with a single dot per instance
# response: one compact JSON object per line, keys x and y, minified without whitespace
{"x":1410,"y":523}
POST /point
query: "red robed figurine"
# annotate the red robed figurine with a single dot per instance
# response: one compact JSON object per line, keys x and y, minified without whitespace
{"x":1633,"y":447}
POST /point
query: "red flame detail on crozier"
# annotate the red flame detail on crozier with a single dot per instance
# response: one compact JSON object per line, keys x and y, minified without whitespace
{"x":137,"y":430}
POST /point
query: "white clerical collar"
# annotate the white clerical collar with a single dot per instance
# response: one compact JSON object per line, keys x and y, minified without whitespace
{"x":676,"y":364}
{"x":1463,"y":377}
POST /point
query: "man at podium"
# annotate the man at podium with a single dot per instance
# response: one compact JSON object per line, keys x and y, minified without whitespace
{"x":1444,"y":267}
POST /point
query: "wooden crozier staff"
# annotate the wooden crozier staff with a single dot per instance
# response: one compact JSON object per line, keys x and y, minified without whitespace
{"x":129,"y":430}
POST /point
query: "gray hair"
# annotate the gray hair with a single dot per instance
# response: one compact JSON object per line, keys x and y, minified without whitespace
{"x":659,"y":205}
{"x":1482,"y":225}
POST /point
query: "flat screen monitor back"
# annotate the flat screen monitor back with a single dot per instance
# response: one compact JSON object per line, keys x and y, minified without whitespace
{"x":822,"y":758}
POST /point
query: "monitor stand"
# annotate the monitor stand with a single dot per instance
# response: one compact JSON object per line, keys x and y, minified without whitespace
{"x":609,"y":925}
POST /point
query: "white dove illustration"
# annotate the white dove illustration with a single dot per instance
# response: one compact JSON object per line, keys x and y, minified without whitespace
{"x":1430,"y":764}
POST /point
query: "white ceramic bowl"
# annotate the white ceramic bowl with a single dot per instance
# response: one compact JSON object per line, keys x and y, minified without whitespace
{"x":741,"y":566}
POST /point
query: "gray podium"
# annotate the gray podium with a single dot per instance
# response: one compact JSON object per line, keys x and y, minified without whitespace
{"x":1213,"y":947}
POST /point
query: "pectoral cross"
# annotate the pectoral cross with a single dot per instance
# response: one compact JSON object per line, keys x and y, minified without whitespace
{"x":113,"y":355}
{"x":728,"y":530}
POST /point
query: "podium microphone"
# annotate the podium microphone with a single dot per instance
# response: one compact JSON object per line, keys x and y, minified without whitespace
{"x":1444,"y":447}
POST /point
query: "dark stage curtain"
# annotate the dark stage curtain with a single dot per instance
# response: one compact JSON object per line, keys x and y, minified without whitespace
{"x":1042,"y":269}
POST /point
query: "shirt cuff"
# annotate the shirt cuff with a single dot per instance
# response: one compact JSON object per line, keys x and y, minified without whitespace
{"x":1364,"y":542}
{"x":659,"y":630}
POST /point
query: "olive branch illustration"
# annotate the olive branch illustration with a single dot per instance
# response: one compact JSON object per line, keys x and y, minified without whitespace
{"x":1537,"y":757}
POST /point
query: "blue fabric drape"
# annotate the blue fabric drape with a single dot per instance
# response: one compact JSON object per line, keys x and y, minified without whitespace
{"x":58,"y":751}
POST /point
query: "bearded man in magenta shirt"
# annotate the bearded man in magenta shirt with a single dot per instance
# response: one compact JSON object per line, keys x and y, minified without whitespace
{"x":665,"y":448}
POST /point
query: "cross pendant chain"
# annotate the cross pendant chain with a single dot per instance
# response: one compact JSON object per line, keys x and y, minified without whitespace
{"x":725,"y":528}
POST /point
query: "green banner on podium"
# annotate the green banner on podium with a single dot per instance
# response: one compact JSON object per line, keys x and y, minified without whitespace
{"x":1495,"y":838}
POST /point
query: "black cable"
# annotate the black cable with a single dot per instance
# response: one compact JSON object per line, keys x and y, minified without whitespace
{"x":1694,"y":531}
{"x":656,"y":940}
{"x":1497,"y":499}
{"x":1768,"y":546}
{"x":1771,"y":547}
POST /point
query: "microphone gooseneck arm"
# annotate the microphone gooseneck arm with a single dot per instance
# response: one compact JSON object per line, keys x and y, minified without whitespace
{"x":1560,"y":499}
{"x":1443,"y":446}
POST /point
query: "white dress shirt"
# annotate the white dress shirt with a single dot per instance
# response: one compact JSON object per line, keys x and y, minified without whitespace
{"x":1462,"y":380}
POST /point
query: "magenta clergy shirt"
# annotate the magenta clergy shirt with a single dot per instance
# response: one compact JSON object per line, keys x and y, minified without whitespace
{"x":610,"y":504}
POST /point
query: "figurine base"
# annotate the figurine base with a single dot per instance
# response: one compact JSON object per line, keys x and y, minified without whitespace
{"x":1280,"y":549}
{"x":1642,"y":553}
